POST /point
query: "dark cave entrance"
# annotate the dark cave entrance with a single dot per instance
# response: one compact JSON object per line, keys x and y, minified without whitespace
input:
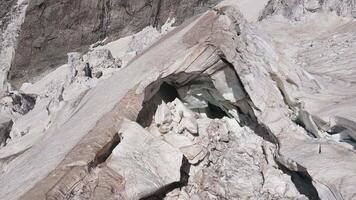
{"x":166,"y":93}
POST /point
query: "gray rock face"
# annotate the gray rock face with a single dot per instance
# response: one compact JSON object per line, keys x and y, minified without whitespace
{"x":6,"y":6}
{"x":52,"y":29}
{"x":5,"y":128}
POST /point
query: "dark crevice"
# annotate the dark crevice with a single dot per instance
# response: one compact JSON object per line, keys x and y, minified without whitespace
{"x":5,"y":130}
{"x":167,"y":92}
{"x":336,"y":129}
{"x":302,"y":182}
{"x":184,"y":177}
{"x":215,"y":112}
{"x":105,"y":152}
{"x":262,"y":131}
{"x":23,"y":103}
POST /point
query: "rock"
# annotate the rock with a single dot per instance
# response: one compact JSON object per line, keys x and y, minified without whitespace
{"x":92,"y":64}
{"x":102,"y":58}
{"x":5,"y":128}
{"x":163,"y":115}
{"x":147,"y":164}
{"x":194,"y":153}
{"x":22,"y":103}
{"x":181,"y":110}
{"x":24,"y":133}
{"x":235,"y":170}
{"x":190,"y":125}
{"x":165,"y":128}
{"x":312,"y":5}
{"x":98,"y":74}
{"x":118,"y":63}
{"x":177,"y":140}
{"x":87,"y":71}
{"x":75,"y":64}
{"x":64,"y":29}
{"x":177,"y":114}
{"x":218,"y":129}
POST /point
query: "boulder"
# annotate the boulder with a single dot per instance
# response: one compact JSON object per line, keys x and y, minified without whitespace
{"x":147,"y":163}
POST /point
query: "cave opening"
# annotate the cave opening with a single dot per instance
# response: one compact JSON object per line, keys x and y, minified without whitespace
{"x":166,"y":93}
{"x":215,"y":112}
{"x":217,"y":107}
{"x":169,"y":91}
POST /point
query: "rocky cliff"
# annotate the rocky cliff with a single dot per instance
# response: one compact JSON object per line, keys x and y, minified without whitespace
{"x":52,"y":28}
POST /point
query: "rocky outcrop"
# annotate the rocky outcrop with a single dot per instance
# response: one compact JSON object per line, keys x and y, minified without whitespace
{"x":147,"y":163}
{"x":52,"y":29}
{"x":225,"y":160}
{"x":5,"y":7}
